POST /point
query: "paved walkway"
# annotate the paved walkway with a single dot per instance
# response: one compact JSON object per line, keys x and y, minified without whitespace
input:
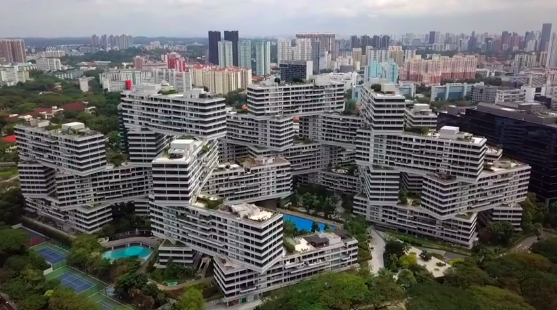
{"x":150,"y":241}
{"x":378,"y":245}
{"x":182,"y":285}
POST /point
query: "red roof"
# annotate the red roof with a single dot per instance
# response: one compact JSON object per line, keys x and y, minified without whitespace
{"x":75,"y":106}
{"x":10,"y":139}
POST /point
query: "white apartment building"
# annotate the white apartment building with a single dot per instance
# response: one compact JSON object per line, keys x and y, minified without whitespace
{"x":65,"y":176}
{"x":285,"y":50}
{"x":420,"y":116}
{"x":510,"y":95}
{"x":451,"y":164}
{"x":245,"y":54}
{"x":49,"y":64}
{"x":221,"y":80}
{"x":115,"y":80}
{"x":302,"y":50}
{"x":263,"y":58}
{"x":11,"y":75}
{"x":225,"y":54}
{"x":251,"y":180}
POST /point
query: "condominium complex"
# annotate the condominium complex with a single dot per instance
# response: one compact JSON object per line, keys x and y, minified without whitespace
{"x":221,"y":80}
{"x":225,"y":49}
{"x":112,"y":41}
{"x":198,"y":168}
{"x":10,"y":75}
{"x":433,"y":71}
{"x":49,"y":64}
{"x":115,"y":80}
{"x":263,"y":58}
{"x":12,"y":50}
{"x":523,"y":130}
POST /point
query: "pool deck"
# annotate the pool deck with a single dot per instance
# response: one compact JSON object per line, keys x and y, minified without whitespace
{"x":309,"y":217}
{"x":150,"y":241}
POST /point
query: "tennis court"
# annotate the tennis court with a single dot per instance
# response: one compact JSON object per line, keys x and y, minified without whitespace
{"x":75,"y":282}
{"x":51,"y":256}
{"x":80,"y":282}
{"x":106,"y":302}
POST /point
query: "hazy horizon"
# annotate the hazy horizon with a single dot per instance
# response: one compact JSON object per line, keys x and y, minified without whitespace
{"x":268,"y":18}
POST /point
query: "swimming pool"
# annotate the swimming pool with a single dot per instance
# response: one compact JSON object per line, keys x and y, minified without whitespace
{"x":141,"y":251}
{"x":303,"y":223}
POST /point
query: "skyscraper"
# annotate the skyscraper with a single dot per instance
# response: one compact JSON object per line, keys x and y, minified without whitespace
{"x":12,"y":50}
{"x":95,"y":40}
{"x":284,"y":50}
{"x":354,"y":42}
{"x":263,"y":58}
{"x":214,"y":39}
{"x":225,"y":54}
{"x":232,"y":36}
{"x":552,"y":52}
{"x":546,"y":35}
{"x":245,"y":54}
{"x":431,"y":37}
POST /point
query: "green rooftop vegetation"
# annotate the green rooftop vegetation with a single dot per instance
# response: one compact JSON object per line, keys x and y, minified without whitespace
{"x":212,"y":204}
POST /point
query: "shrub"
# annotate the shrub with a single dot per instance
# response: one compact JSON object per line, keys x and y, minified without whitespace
{"x":426,"y":256}
{"x":456,"y":261}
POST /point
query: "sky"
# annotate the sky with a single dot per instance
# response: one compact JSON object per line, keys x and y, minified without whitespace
{"x":193,"y":18}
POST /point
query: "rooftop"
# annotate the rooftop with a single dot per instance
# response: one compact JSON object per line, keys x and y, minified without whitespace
{"x":446,"y":133}
{"x":181,"y":150}
{"x":249,"y":162}
{"x":315,"y":241}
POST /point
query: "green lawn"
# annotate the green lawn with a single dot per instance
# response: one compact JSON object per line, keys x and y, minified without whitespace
{"x":7,"y":173}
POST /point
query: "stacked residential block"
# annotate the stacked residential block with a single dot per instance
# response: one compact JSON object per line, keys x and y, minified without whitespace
{"x":196,"y":166}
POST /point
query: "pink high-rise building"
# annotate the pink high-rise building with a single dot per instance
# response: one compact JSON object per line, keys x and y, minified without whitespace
{"x":433,"y":71}
{"x":12,"y":50}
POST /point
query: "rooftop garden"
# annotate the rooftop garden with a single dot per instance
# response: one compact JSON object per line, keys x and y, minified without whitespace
{"x":420,"y":131}
{"x":211,"y":202}
{"x":168,"y":92}
{"x":466,"y":216}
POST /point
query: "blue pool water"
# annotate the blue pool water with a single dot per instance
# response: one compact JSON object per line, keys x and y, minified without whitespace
{"x":303,"y":223}
{"x":141,"y":251}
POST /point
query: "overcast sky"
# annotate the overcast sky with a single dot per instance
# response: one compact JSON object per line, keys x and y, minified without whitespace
{"x":188,"y":18}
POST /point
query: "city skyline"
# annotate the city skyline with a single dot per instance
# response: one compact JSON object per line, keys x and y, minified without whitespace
{"x":259,"y":18}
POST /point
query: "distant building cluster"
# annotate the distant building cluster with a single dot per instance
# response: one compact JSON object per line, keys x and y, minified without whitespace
{"x":12,"y":51}
{"x":112,"y":41}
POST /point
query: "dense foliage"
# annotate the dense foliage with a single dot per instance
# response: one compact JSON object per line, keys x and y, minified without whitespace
{"x":488,"y":280}
{"x":21,"y":277}
{"x":47,"y":91}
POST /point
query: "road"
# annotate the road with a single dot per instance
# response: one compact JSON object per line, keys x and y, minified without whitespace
{"x":378,"y":245}
{"x":527,"y":242}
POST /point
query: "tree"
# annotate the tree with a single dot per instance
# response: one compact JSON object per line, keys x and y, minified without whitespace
{"x":394,"y":250}
{"x":494,"y":298}
{"x":12,"y":242}
{"x":405,"y":261}
{"x":497,"y":233}
{"x":33,"y":302}
{"x":191,"y":299}
{"x":463,"y":276}
{"x":127,"y":282}
{"x":406,"y":279}
{"x":340,"y":291}
{"x":434,"y":296}
{"x":384,"y":292}
{"x":546,"y":248}
{"x":66,"y":299}
{"x":11,"y":206}
{"x":314,"y":227}
{"x":114,"y":140}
